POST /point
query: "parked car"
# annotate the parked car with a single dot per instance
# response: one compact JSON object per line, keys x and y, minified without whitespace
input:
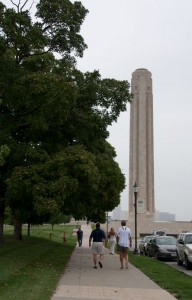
{"x":184,"y":250}
{"x":159,"y":232}
{"x":162,"y":247}
{"x":143,"y":244}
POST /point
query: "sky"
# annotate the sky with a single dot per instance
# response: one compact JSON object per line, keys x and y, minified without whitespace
{"x":124,"y":35}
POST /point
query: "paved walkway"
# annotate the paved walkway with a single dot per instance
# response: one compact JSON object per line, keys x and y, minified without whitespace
{"x":82,"y":281}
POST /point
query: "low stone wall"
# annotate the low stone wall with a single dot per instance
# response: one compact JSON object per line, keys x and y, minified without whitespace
{"x":169,"y":234}
{"x":171,"y":228}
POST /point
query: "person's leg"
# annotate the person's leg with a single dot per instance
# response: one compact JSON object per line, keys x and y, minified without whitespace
{"x":112,"y":247}
{"x":125,"y":256}
{"x":94,"y":251}
{"x":101,"y":254}
{"x":121,"y":258}
{"x":95,"y":260}
{"x":101,"y":260}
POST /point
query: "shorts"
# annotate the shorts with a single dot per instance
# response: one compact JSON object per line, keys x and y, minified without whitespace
{"x":123,"y":249}
{"x":98,"y":248}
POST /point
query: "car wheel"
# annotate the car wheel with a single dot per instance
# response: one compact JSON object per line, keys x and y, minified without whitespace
{"x":156,"y":255}
{"x":148,"y":254}
{"x":145,"y":252}
{"x":187,"y":263}
{"x":179,"y":262}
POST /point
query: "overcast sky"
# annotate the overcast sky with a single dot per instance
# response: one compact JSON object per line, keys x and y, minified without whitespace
{"x":125,"y":35}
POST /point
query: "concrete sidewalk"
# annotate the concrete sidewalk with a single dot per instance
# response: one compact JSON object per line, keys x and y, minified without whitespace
{"x":81,"y":281}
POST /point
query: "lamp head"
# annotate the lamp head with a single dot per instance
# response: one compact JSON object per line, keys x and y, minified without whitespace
{"x":135,"y":188}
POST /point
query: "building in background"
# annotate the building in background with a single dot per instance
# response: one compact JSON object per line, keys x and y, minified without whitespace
{"x":164,"y":216}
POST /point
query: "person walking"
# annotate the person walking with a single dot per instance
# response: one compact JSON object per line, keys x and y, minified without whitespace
{"x":112,"y":241}
{"x":98,"y":236}
{"x":124,"y":241}
{"x":79,"y":236}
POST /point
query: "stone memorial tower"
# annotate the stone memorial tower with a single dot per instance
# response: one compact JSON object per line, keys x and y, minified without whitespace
{"x":141,"y":155}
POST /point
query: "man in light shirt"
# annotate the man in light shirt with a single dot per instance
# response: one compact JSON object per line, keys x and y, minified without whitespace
{"x":124,"y":241}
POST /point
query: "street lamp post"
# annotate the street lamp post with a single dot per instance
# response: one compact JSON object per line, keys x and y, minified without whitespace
{"x":107,"y":217}
{"x":107,"y":220}
{"x":135,"y":190}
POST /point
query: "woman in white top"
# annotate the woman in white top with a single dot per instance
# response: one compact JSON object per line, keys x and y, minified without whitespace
{"x":112,"y":241}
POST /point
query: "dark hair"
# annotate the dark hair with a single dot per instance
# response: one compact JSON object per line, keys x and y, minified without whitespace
{"x":97,"y":225}
{"x":123,"y":223}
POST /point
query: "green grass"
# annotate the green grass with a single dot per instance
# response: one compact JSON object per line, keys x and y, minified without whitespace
{"x":30,"y":269}
{"x":174,"y":281}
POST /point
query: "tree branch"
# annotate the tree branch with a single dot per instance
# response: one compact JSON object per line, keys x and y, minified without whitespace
{"x":31,"y":5}
{"x":19,"y":5}
{"x":23,"y":4}
{"x":28,"y":112}
{"x":16,"y":5}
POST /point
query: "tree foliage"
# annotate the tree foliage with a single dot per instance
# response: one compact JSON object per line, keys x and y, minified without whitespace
{"x":53,"y":118}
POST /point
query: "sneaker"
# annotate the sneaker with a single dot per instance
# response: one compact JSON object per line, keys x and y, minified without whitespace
{"x":100,"y":264}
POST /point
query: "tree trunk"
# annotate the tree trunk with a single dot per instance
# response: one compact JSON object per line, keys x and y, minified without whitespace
{"x":28,"y":229}
{"x":17,"y":229}
{"x":2,"y":210}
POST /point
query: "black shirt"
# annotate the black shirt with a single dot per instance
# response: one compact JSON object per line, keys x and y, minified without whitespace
{"x":79,"y":234}
{"x":98,"y":235}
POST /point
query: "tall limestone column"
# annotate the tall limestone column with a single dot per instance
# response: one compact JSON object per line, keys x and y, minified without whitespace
{"x":141,"y":160}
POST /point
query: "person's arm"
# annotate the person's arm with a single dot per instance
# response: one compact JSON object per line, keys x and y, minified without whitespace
{"x":130,"y":241}
{"x":117,"y":237}
{"x":104,"y":237}
{"x":90,"y":238}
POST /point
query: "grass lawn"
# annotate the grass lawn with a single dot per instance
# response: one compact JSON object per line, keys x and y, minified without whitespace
{"x":30,"y":269}
{"x":174,"y":281}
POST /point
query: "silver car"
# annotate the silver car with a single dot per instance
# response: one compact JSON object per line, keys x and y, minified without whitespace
{"x":162,"y":247}
{"x":143,"y":244}
{"x":184,"y":249}
{"x":159,"y":232}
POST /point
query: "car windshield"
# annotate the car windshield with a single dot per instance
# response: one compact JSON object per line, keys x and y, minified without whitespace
{"x":166,"y":241}
{"x":188,"y":239}
{"x":147,"y":239}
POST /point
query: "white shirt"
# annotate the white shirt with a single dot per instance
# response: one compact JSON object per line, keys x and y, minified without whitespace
{"x":124,"y":234}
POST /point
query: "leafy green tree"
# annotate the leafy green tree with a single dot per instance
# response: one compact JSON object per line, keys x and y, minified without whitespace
{"x":54,"y":119}
{"x":4,"y":152}
{"x":58,"y":218}
{"x":8,"y":216}
{"x":26,"y":63}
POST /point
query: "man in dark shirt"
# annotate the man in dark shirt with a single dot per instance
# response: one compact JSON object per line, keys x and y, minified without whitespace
{"x":79,"y":237}
{"x":98,"y":236}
